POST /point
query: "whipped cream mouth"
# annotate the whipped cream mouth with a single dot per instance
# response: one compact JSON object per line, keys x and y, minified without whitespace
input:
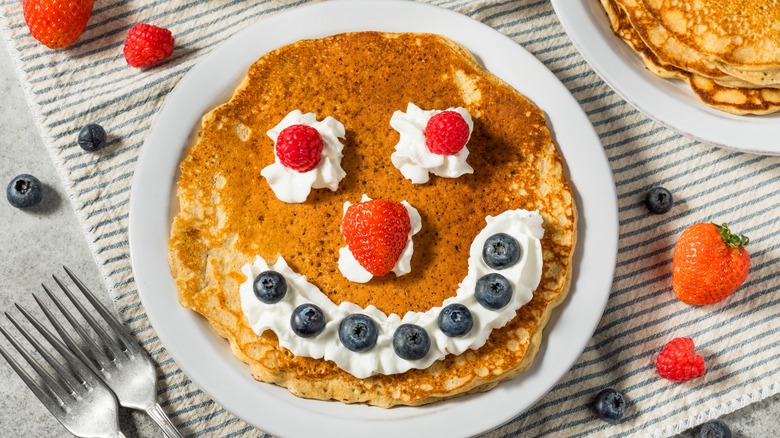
{"x":293,"y":187}
{"x":412,"y":156}
{"x":524,"y":276}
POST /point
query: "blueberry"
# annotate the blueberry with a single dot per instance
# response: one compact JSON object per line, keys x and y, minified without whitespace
{"x":501,"y":251}
{"x":411,"y":342}
{"x":493,"y":291}
{"x":610,"y":405}
{"x":714,"y":429}
{"x":455,"y":320}
{"x":358,"y":332}
{"x":659,"y":200}
{"x":24,"y":191}
{"x":269,"y":287}
{"x":307,"y":320}
{"x":92,"y":137}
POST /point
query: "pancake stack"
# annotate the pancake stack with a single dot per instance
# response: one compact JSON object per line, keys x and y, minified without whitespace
{"x":727,"y":50}
{"x":228,"y":213}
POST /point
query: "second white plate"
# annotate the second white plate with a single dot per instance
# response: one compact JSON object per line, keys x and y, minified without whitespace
{"x":670,"y":102}
{"x":206,"y":358}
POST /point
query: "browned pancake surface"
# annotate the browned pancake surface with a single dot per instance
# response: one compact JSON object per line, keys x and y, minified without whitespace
{"x":229,"y":213}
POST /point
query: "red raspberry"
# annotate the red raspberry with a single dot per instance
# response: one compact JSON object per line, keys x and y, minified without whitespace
{"x":376,"y":232}
{"x":446,"y":133}
{"x":147,"y":45}
{"x":299,"y":147}
{"x":679,"y":362}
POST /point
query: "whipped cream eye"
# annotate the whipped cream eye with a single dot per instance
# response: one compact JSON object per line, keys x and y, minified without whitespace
{"x":432,"y":141}
{"x":307,"y":155}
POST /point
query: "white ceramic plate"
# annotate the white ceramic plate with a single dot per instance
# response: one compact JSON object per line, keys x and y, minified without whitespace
{"x":670,"y":102}
{"x":206,"y":358}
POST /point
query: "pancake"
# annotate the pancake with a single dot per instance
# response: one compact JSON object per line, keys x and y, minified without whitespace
{"x":712,"y":92}
{"x":735,"y":32}
{"x":228,"y":214}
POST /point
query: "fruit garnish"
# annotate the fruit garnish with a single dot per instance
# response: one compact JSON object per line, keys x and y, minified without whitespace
{"x":714,"y":429}
{"x":307,"y":320}
{"x":56,"y":23}
{"x":358,"y":332}
{"x":24,"y":191}
{"x":679,"y":362}
{"x":455,"y":320}
{"x":659,"y":200}
{"x":501,"y":251}
{"x":92,"y":137}
{"x":493,"y":291}
{"x":709,"y":264}
{"x":446,"y":133}
{"x":299,"y":147}
{"x":610,"y":405}
{"x":376,"y":232}
{"x":269,"y":287}
{"x":146,"y":45}
{"x":411,"y":342}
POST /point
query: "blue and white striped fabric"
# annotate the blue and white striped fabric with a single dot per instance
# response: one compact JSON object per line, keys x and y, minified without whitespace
{"x":90,"y":82}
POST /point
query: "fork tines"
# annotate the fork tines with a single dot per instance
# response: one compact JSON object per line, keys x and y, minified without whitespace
{"x":65,"y":393}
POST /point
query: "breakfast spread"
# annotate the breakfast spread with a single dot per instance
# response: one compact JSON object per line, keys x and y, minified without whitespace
{"x":728,"y":52}
{"x":393,"y":286}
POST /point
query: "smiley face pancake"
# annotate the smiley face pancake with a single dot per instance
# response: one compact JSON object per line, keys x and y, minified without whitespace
{"x":228,"y":214}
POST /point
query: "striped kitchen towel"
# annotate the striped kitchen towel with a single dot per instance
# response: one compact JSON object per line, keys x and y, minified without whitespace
{"x":90,"y":82}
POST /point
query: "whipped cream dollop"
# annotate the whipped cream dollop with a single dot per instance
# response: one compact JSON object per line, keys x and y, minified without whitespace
{"x":524,"y":276}
{"x":412,"y":156}
{"x":293,"y":187}
{"x":352,"y":270}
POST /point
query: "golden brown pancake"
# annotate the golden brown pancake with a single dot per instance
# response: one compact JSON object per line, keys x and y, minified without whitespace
{"x":735,"y":32}
{"x":712,"y":92}
{"x":228,"y":213}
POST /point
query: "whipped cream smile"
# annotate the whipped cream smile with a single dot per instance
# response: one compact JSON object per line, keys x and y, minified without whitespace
{"x":523,"y":273}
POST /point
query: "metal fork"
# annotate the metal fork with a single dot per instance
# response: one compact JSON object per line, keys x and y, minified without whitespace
{"x":75,"y":396}
{"x":119,"y":361}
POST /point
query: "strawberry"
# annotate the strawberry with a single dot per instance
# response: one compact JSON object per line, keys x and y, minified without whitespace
{"x":709,"y":263}
{"x":446,"y":133}
{"x":146,"y":45}
{"x":56,"y":23}
{"x":299,"y":147}
{"x":376,"y":232}
{"x":679,"y":362}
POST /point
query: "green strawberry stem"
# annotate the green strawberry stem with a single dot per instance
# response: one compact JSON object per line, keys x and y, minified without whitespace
{"x":732,"y":240}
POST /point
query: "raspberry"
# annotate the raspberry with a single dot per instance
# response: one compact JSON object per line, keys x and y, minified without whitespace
{"x":377,"y":232}
{"x":147,"y":45}
{"x":679,"y":362}
{"x":299,"y":147}
{"x":446,"y":133}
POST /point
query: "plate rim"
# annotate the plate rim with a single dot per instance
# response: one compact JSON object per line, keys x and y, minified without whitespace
{"x":714,"y":127}
{"x":145,"y":275}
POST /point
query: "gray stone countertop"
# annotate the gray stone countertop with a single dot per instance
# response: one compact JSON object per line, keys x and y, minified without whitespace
{"x":36,"y":243}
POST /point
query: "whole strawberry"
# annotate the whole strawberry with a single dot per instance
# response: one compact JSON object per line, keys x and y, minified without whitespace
{"x":709,"y":263}
{"x":56,"y":23}
{"x":147,"y":45}
{"x":376,"y":232}
{"x":679,"y":362}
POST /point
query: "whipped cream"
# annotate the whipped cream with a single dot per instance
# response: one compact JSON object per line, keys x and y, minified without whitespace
{"x":412,"y":156}
{"x":351,"y":269}
{"x":524,"y":276}
{"x":293,"y":187}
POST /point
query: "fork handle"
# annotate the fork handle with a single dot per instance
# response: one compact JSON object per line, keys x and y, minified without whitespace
{"x":119,"y":434}
{"x":162,"y":420}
